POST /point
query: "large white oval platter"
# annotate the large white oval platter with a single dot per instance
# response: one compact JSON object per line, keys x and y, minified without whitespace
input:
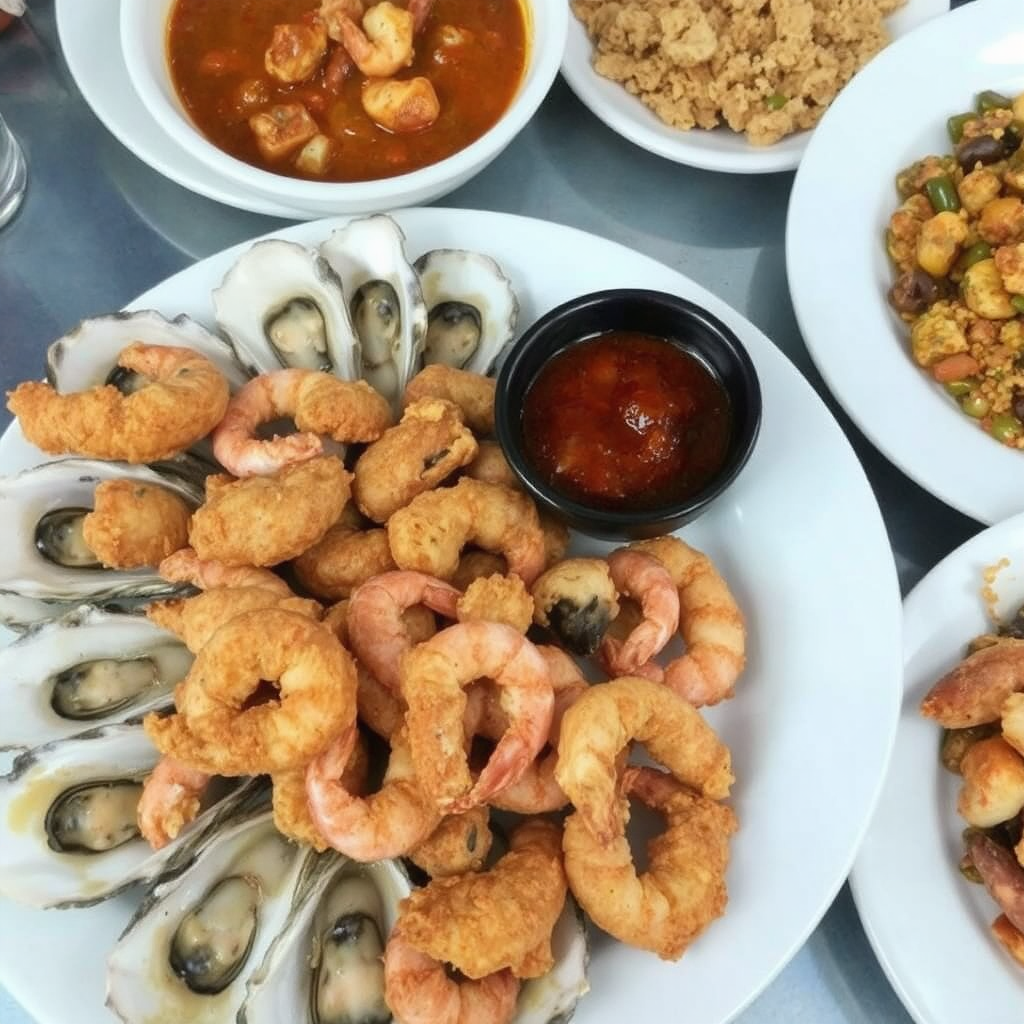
{"x":800,"y":539}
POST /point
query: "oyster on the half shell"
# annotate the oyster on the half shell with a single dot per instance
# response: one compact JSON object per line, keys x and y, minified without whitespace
{"x":196,"y":938}
{"x":86,"y":669}
{"x":46,"y":568}
{"x":281,"y":305}
{"x":68,"y":814}
{"x":383,"y":297}
{"x":325,"y":967}
{"x":471,"y":307}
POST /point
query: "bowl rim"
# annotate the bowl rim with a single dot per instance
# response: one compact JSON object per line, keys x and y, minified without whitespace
{"x":615,"y":521}
{"x":548,"y":24}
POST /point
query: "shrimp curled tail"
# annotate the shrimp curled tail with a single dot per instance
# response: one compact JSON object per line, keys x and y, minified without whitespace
{"x":185,"y":566}
{"x":170,"y":800}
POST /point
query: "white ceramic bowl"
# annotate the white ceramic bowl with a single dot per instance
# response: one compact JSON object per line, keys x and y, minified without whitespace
{"x":143,"y":42}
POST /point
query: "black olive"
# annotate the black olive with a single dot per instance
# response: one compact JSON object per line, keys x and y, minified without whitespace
{"x":982,"y":149}
{"x":913,"y":292}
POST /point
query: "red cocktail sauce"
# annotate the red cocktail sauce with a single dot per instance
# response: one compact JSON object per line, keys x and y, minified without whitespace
{"x":626,"y":421}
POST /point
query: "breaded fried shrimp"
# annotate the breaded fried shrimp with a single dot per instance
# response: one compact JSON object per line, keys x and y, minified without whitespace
{"x":418,"y":990}
{"x":495,"y":919}
{"x":388,"y":823}
{"x":184,"y":399}
{"x":376,"y":627}
{"x":268,"y":520}
{"x":170,"y":800}
{"x":491,"y":466}
{"x":975,"y":691}
{"x":471,"y":392}
{"x":342,"y":560}
{"x":600,"y":724}
{"x":460,"y":843}
{"x":320,"y":404}
{"x":428,"y":445}
{"x":134,"y":524}
{"x":185,"y":566}
{"x":710,"y":622}
{"x":429,"y":534}
{"x":434,"y":676}
{"x":683,"y":889}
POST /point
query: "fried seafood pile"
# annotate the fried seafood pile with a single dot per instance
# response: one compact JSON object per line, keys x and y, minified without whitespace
{"x":405,"y":612}
{"x":982,"y":714}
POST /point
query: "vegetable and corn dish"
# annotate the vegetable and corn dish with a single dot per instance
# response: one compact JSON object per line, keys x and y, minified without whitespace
{"x":957,"y":242}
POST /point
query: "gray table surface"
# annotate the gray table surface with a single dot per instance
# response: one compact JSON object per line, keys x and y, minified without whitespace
{"x":98,"y":227}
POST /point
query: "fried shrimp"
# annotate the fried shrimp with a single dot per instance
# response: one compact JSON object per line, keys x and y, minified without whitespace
{"x":345,"y":558}
{"x":502,"y":918}
{"x":645,"y":579}
{"x":556,"y":539}
{"x":433,"y":677}
{"x":491,"y":466}
{"x":429,"y":533}
{"x":600,"y":724}
{"x":134,"y":524}
{"x":710,"y":622}
{"x":975,"y":691}
{"x":460,"y":843}
{"x":215,"y":728}
{"x":576,"y":600}
{"x":497,"y":599}
{"x":429,"y":444}
{"x":183,"y":400}
{"x":388,"y":823}
{"x":196,"y":619}
{"x":292,"y":817}
{"x":683,"y":889}
{"x":320,"y":404}
{"x":268,"y":520}
{"x":538,"y":791}
{"x":185,"y":566}
{"x":376,"y":627}
{"x":993,"y":789}
{"x":418,"y":990}
{"x":473,"y":393}
{"x":170,"y":800}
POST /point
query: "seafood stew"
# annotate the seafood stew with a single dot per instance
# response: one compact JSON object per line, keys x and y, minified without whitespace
{"x":957,"y":244}
{"x":327,"y":92}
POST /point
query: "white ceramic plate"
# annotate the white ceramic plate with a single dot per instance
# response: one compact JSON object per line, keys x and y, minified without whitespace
{"x":928,"y":926}
{"x":893,"y":113}
{"x":799,"y":537}
{"x":719,"y":150}
{"x":89,"y":37}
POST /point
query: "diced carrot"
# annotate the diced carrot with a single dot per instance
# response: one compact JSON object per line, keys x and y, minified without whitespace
{"x":957,"y":367}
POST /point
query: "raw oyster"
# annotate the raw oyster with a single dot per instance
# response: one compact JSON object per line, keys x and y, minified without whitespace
{"x":471,"y":308}
{"x":281,"y":305}
{"x":552,"y":998}
{"x":178,"y":960}
{"x":85,"y":669}
{"x":45,"y":567}
{"x":325,"y":967}
{"x":87,"y":356}
{"x":384,"y":301}
{"x":67,"y":810}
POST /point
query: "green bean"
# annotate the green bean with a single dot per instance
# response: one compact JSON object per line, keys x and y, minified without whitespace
{"x":975,"y":405}
{"x":992,"y":100}
{"x":942,"y":194}
{"x":776,"y":101}
{"x":959,"y":388}
{"x":955,"y":125}
{"x":1006,"y":427}
{"x":974,"y":254}
{"x":1017,"y":301}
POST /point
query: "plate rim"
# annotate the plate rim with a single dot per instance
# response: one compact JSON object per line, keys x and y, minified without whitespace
{"x":887,"y":588}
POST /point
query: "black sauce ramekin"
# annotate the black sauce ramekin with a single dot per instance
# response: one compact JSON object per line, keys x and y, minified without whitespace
{"x":662,"y":315}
